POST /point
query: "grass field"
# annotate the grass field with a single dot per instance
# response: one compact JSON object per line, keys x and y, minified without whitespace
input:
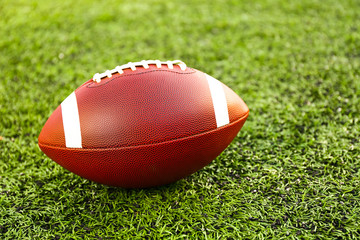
{"x":292,"y":172}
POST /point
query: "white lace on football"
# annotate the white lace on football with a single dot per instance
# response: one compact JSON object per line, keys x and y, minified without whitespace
{"x":132,"y":65}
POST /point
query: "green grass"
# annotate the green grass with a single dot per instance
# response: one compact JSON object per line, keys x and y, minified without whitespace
{"x":292,"y":172}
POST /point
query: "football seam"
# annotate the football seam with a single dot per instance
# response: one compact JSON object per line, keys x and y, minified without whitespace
{"x":94,"y":85}
{"x":151,"y":144}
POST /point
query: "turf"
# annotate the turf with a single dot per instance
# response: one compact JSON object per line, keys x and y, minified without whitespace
{"x":291,"y":173}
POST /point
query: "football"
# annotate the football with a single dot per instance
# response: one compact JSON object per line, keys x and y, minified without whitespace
{"x":143,"y":124}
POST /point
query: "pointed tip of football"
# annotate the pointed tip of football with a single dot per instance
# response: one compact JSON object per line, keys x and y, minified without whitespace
{"x":237,"y":108}
{"x":52,"y":134}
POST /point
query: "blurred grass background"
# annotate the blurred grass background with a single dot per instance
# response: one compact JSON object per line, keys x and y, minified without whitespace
{"x":293,"y":170}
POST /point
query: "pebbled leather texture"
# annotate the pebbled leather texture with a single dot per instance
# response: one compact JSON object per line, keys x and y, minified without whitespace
{"x":144,"y":128}
{"x":146,"y":165}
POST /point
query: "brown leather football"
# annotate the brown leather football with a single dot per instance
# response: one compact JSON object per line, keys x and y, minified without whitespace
{"x":143,"y":124}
